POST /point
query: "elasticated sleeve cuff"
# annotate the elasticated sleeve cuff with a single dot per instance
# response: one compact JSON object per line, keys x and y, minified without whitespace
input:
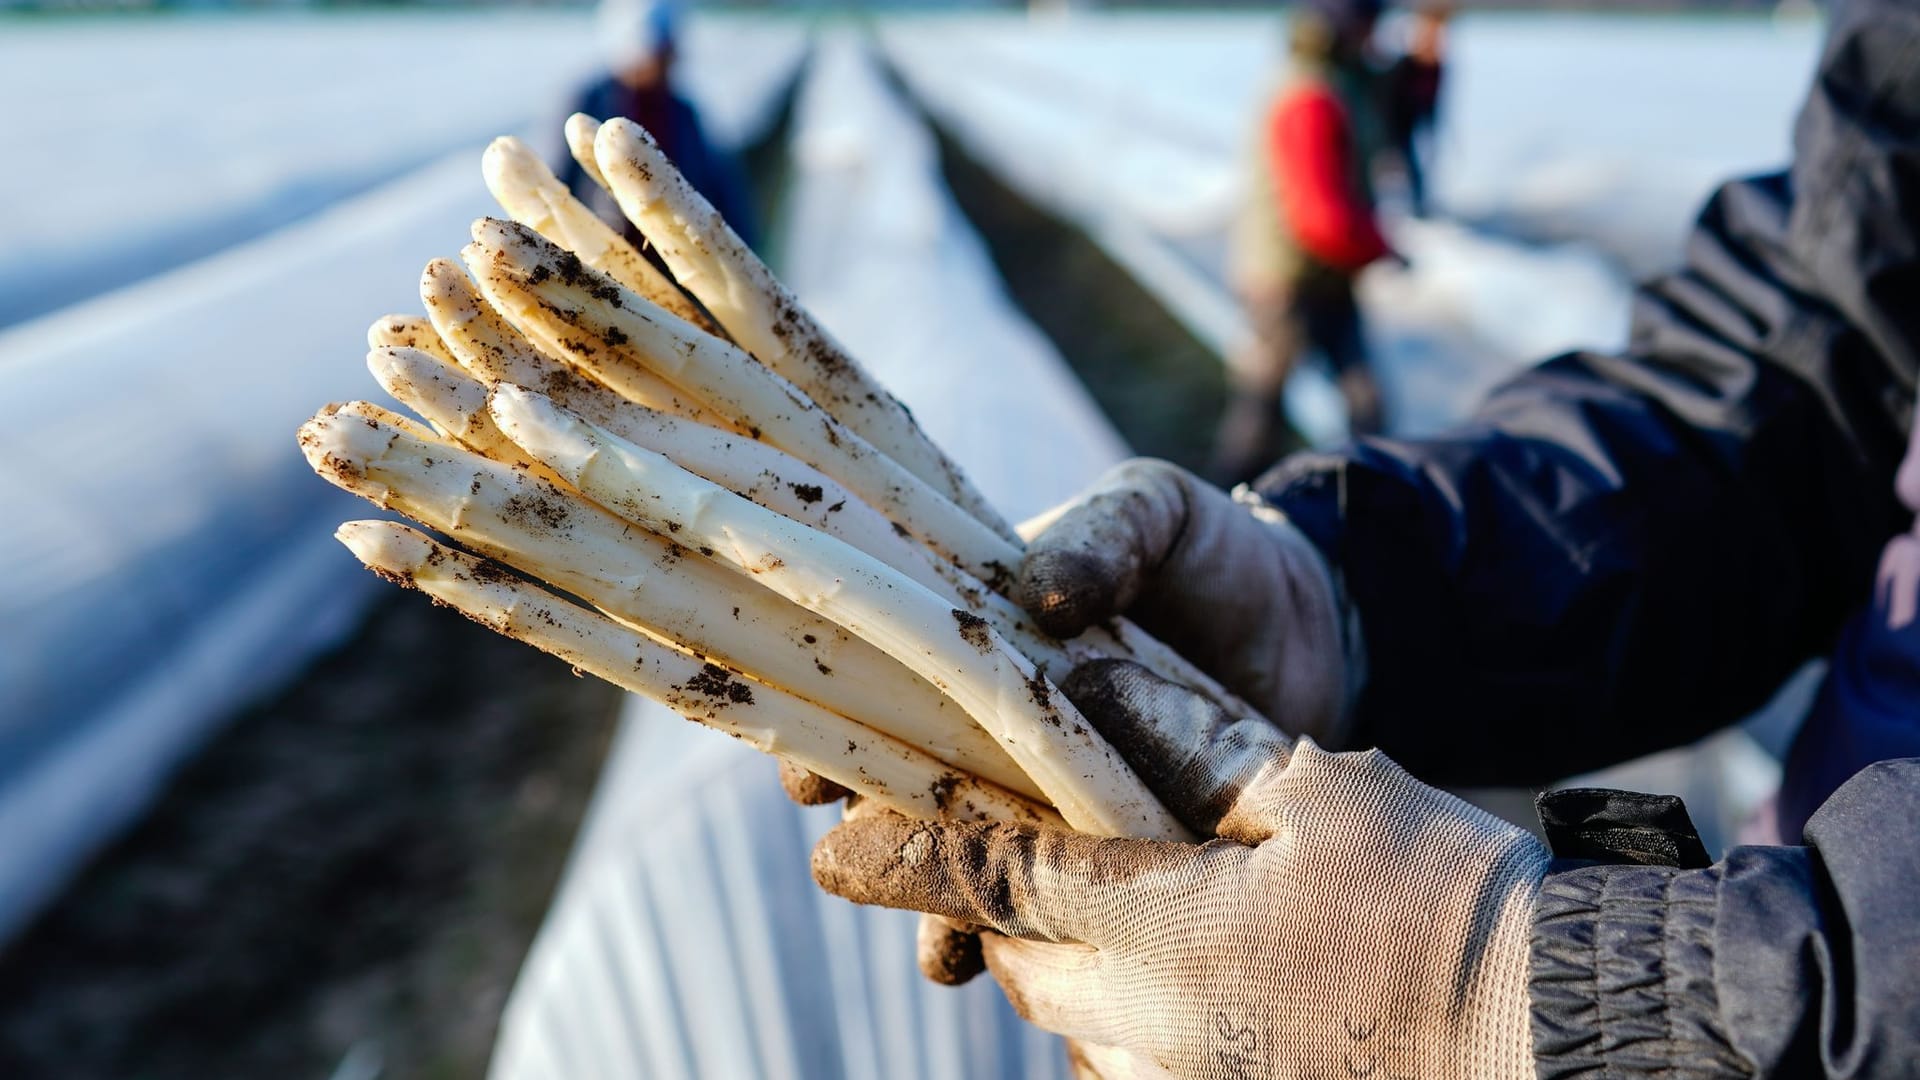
{"x":1622,"y":981}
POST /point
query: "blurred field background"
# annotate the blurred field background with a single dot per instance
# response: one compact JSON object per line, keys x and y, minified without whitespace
{"x":257,"y":814}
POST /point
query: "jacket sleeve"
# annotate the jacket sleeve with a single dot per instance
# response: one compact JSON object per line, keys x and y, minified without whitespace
{"x":1311,"y":153}
{"x":1774,"y":962}
{"x":1621,"y":553}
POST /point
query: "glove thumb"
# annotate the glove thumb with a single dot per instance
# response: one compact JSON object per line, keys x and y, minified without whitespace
{"x":1196,"y":757}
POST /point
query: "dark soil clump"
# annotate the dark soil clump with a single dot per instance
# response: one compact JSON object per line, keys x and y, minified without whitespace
{"x":719,"y":684}
{"x":974,"y":629}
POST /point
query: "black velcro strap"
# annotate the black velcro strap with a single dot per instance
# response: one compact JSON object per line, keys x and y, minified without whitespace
{"x":1600,"y":825}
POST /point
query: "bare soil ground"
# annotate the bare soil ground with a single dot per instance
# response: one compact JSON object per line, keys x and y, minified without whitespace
{"x":360,"y":861}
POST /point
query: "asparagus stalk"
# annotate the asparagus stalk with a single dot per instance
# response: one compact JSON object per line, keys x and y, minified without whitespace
{"x":529,"y":192}
{"x":642,"y":579}
{"x":638,"y":371}
{"x":760,"y":314}
{"x":616,"y":335}
{"x":955,"y":650}
{"x":709,"y":260}
{"x":482,"y":341}
{"x":612,"y":333}
{"x":765,"y":717}
{"x":580,"y":130}
{"x":454,"y":402}
{"x":551,"y":334}
{"x":752,"y":469}
{"x":495,"y":352}
{"x":408,"y":331}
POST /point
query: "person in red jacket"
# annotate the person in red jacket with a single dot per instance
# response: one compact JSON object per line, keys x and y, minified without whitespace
{"x":1307,"y":230}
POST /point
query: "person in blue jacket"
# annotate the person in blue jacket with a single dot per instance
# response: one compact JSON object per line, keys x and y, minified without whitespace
{"x":642,"y":37}
{"x":1618,"y":553}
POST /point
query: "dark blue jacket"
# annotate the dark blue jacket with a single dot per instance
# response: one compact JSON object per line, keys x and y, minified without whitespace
{"x":1621,"y":553}
{"x":713,"y":172}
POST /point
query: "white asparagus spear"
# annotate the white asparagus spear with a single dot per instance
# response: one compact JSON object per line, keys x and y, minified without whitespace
{"x":482,"y":341}
{"x":765,"y":717}
{"x":663,"y":202}
{"x":475,"y":323}
{"x":796,"y":490}
{"x":454,"y":402}
{"x":494,"y":352}
{"x":750,"y":469}
{"x":497,"y":353}
{"x":755,"y":470}
{"x":582,"y":311}
{"x":642,"y":579}
{"x":529,"y":192}
{"x":580,"y":131}
{"x":957,"y":651}
{"x":710,"y":261}
{"x":410,"y":331}
{"x":616,"y":334}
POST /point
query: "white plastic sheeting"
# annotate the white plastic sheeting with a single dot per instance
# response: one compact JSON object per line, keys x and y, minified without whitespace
{"x":168,"y":555}
{"x":1621,"y":123}
{"x":1611,"y":129}
{"x":1601,"y":129}
{"x":1138,"y":128}
{"x":687,"y":938}
{"x":138,"y":144}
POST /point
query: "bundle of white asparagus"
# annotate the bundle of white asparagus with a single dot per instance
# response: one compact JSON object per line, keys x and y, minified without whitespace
{"x":683,"y":485}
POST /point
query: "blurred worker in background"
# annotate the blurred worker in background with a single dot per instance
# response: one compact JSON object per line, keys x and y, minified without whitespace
{"x":1306,"y":229}
{"x":642,"y":39}
{"x":1412,"y":89}
{"x":1618,"y":553}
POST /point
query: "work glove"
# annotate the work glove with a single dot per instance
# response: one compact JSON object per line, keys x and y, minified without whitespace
{"x":1226,"y":581}
{"x":1350,"y":921}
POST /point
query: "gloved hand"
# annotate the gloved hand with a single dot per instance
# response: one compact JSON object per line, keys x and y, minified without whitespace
{"x":1230,"y":584}
{"x":1351,"y":922}
{"x":947,"y":952}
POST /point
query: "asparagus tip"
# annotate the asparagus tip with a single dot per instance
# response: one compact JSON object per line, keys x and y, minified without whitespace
{"x":387,"y":548}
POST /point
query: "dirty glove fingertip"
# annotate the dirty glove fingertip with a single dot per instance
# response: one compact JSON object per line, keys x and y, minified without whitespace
{"x":948,"y":952}
{"x":1066,"y":590}
{"x":809,"y":788}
